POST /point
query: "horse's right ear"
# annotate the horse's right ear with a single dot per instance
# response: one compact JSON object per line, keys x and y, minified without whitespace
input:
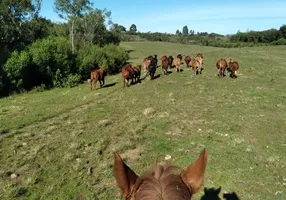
{"x":193,"y":175}
{"x":124,"y":176}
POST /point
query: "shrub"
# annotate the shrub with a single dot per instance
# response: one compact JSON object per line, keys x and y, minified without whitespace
{"x":48,"y":61}
{"x":281,"y":41}
{"x":72,"y":80}
{"x":109,"y":57}
{"x":17,"y":69}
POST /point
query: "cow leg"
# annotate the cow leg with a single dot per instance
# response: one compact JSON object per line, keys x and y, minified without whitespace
{"x":218,"y":72}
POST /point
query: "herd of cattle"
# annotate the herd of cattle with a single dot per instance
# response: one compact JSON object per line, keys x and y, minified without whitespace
{"x":150,"y":64}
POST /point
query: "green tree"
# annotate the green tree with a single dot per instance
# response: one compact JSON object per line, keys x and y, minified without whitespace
{"x":14,"y":34}
{"x":71,"y":10}
{"x":185,"y":30}
{"x":133,"y":29}
{"x":282,"y":30}
{"x":178,"y":32}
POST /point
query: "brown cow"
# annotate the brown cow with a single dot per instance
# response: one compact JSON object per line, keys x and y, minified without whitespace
{"x":232,"y":67}
{"x":162,"y":182}
{"x":188,"y":60}
{"x":177,"y":64}
{"x":197,"y":65}
{"x":165,"y":64}
{"x":127,"y":73}
{"x":170,"y":61}
{"x":97,"y":75}
{"x":221,"y":66}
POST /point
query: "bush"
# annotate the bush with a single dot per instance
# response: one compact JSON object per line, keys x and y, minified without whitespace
{"x":109,"y":57}
{"x":48,"y":61}
{"x":72,"y":80}
{"x":281,"y":41}
{"x":18,"y":69}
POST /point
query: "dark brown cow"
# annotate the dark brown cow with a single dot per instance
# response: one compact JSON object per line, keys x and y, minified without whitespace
{"x":170,"y":61}
{"x":221,"y":66}
{"x":97,"y":75}
{"x":188,"y":60}
{"x":232,"y":67}
{"x":162,"y":183}
{"x":127,"y":73}
{"x":165,"y":64}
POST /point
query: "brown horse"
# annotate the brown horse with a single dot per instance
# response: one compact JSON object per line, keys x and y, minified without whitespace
{"x":177,"y":64}
{"x":127,"y":73}
{"x":137,"y":74}
{"x":221,"y":66}
{"x":197,"y":65}
{"x":188,"y":60}
{"x":170,"y":61}
{"x":232,"y":67}
{"x":165,"y":64}
{"x":97,"y":75}
{"x":162,"y":183}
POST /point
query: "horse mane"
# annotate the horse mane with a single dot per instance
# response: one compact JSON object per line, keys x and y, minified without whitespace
{"x":161,"y":183}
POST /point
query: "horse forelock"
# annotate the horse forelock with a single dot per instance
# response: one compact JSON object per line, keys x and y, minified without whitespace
{"x":161,"y":184}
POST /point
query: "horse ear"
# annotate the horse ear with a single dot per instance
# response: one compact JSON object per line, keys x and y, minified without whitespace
{"x":124,"y":176}
{"x":193,"y":175}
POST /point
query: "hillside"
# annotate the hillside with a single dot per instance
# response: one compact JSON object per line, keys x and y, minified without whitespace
{"x":50,"y":139}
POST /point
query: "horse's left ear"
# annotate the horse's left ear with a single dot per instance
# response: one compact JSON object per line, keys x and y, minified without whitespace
{"x":124,"y":176}
{"x":193,"y":175}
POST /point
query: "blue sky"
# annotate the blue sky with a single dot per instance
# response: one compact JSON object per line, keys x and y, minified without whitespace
{"x":220,"y":16}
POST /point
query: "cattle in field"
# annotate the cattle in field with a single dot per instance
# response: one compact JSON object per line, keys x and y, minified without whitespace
{"x":97,"y":75}
{"x":197,"y":65}
{"x":164,"y":182}
{"x":232,"y":67}
{"x":127,"y":73}
{"x":221,"y":66}
{"x":164,"y":64}
{"x":170,"y":61}
{"x":177,"y":64}
{"x":188,"y":60}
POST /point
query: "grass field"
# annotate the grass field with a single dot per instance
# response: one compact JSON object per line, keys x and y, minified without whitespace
{"x":49,"y":140}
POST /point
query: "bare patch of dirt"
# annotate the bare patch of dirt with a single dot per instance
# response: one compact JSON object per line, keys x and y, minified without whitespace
{"x":149,"y":111}
{"x":131,"y":154}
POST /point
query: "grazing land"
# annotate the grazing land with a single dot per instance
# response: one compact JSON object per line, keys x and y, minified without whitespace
{"x":59,"y":144}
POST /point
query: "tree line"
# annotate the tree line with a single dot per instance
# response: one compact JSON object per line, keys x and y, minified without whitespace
{"x":189,"y":36}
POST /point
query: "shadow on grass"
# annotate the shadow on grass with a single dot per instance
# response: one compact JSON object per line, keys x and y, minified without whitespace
{"x":155,"y":77}
{"x":129,"y":51}
{"x":213,"y":194}
{"x":109,"y":85}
